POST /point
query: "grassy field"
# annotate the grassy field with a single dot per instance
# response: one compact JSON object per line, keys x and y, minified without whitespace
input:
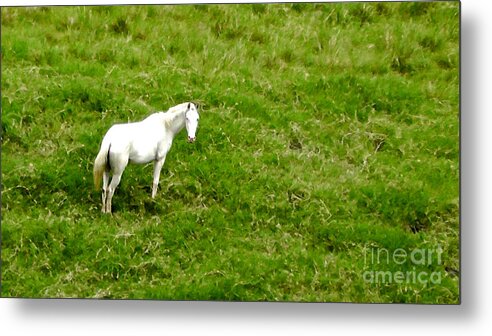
{"x":327,"y":153}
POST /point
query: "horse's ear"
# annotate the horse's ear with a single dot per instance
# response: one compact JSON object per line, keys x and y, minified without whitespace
{"x":189,"y":106}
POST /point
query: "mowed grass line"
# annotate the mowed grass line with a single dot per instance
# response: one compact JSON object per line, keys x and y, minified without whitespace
{"x":325,"y":130}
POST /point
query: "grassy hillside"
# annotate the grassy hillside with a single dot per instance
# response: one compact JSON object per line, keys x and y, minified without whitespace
{"x":329,"y":134}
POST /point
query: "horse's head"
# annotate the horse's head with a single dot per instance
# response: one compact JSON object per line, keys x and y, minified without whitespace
{"x":191,"y":121}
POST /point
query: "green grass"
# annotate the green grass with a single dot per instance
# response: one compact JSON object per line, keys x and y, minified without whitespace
{"x":325,"y":130}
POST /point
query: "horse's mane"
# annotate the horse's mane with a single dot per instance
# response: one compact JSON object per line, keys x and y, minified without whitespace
{"x":178,"y":107}
{"x":173,"y":112}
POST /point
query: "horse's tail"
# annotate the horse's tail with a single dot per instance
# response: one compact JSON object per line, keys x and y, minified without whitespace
{"x":101,"y":164}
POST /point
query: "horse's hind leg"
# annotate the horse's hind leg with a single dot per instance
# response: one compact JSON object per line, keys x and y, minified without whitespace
{"x":112,"y":187}
{"x":118,"y":163}
{"x":105,"y":190}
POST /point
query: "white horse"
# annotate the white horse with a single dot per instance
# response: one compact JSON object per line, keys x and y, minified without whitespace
{"x":141,"y":142}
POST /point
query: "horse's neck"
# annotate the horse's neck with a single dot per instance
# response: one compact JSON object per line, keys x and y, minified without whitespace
{"x":175,"y":123}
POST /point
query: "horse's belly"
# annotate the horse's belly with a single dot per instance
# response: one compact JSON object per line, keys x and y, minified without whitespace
{"x":142,"y":154}
{"x":141,"y":159}
{"x":145,"y":151}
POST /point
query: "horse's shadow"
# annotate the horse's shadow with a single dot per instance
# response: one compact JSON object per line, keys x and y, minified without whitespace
{"x":148,"y":206}
{"x":137,"y":200}
{"x":152,"y":206}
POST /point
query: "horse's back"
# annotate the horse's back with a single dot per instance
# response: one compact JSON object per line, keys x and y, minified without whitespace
{"x":154,"y":117}
{"x":131,"y":130}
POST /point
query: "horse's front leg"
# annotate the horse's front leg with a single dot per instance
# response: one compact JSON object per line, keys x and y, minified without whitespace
{"x":157,"y":173}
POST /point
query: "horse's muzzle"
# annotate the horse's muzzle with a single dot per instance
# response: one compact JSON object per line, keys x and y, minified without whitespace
{"x":190,"y":139}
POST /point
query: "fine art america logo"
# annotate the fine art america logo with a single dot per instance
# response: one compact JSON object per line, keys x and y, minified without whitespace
{"x":402,"y":266}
